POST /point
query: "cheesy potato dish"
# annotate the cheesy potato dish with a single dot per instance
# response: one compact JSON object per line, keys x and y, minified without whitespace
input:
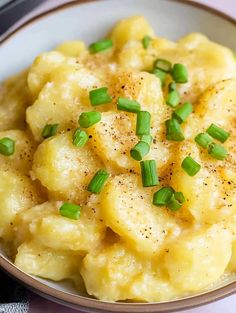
{"x":118,"y":165}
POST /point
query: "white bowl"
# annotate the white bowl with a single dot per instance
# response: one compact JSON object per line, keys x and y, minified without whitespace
{"x":89,"y":21}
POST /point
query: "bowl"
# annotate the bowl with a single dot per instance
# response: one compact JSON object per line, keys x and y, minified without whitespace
{"x":89,"y":21}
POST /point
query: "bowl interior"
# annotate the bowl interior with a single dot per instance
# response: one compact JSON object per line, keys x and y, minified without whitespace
{"x":91,"y":21}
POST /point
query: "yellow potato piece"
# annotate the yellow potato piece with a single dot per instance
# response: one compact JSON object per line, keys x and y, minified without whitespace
{"x":21,"y":159}
{"x":112,"y":140}
{"x":145,"y":88}
{"x":199,"y":258}
{"x":17,"y":193}
{"x":44,"y":262}
{"x":58,"y":232}
{"x":132,"y":56}
{"x":201,"y":205}
{"x":127,"y":209}
{"x":64,"y":168}
{"x":71,"y":48}
{"x":114,"y":137}
{"x":41,"y":70}
{"x":100,"y":274}
{"x":25,"y":218}
{"x":127,"y":276}
{"x":152,"y":286}
{"x":14,"y":99}
{"x":217,"y":105}
{"x":63,"y":99}
{"x":133,"y":28}
{"x":37,"y":222}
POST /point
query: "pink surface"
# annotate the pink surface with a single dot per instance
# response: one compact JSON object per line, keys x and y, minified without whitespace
{"x":228,"y":305}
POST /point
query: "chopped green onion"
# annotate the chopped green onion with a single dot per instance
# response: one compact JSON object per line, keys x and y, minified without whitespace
{"x":80,"y":137}
{"x":146,"y":41}
{"x":149,"y":173}
{"x":173,"y":98}
{"x":218,"y":133}
{"x":172,"y":86}
{"x":128,"y":105}
{"x":99,"y":96}
{"x":217,"y":151}
{"x":97,"y":182}
{"x":163,"y":65}
{"x":176,"y":201}
{"x":49,"y":130}
{"x":139,"y":150}
{"x":88,"y":119}
{"x":100,"y":45}
{"x":161,"y":75}
{"x":70,"y":210}
{"x":180,"y":73}
{"x":146,"y":138}
{"x":143,"y":123}
{"x":7,"y":146}
{"x":173,"y":130}
{"x":182,"y":113}
{"x":203,"y":140}
{"x":190,"y":166}
{"x":162,"y":196}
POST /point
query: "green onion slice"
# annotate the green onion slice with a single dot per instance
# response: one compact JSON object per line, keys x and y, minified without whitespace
{"x":218,"y":133}
{"x":88,"y":119}
{"x":163,"y":196}
{"x":203,"y":140}
{"x":182,"y":113}
{"x":172,"y":87}
{"x":49,"y":130}
{"x":161,"y":75}
{"x":99,"y":96}
{"x":149,"y":173}
{"x":80,"y":138}
{"x":176,"y":201}
{"x":190,"y":166}
{"x":146,"y":138}
{"x":128,"y":105}
{"x":163,"y":65}
{"x":146,"y":41}
{"x":140,"y":150}
{"x":7,"y":146}
{"x":100,"y":45}
{"x":217,"y":151}
{"x":70,"y":210}
{"x":143,"y":123}
{"x":173,"y":98}
{"x":97,"y":182}
{"x":180,"y":73}
{"x":173,"y":130}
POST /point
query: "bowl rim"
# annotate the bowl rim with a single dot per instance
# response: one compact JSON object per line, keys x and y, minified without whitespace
{"x":72,"y":3}
{"x":86,"y":303}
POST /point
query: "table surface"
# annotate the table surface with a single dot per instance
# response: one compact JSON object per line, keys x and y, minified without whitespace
{"x":228,"y":305}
